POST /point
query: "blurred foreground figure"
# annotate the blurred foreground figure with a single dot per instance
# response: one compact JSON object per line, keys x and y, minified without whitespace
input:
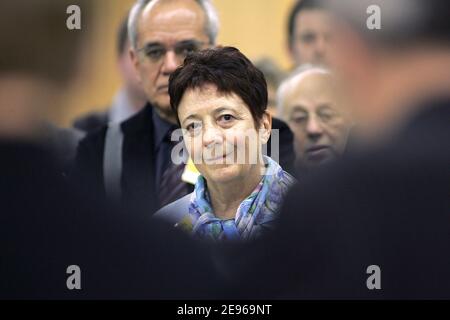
{"x":53,"y":241}
{"x":274,"y":75}
{"x":128,"y":100}
{"x":377,"y":225}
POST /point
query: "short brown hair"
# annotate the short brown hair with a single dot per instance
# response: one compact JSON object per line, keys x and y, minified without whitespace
{"x":227,"y":69}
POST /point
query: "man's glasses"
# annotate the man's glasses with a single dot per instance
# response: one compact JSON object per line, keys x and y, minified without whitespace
{"x":155,"y":52}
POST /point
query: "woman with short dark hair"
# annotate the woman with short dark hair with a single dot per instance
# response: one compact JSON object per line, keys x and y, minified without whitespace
{"x":220,"y":99}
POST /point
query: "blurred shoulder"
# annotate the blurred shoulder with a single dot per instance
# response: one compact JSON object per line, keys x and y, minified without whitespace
{"x":91,"y":121}
{"x":96,"y":136}
{"x":175,"y":212}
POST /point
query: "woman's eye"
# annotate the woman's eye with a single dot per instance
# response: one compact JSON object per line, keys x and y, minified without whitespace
{"x":193,"y":126}
{"x":226,"y":118}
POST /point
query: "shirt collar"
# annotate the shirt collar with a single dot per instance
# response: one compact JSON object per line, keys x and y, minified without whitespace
{"x":121,"y":108}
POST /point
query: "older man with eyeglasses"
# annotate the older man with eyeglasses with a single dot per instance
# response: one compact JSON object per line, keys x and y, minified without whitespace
{"x":128,"y":161}
{"x":132,"y":161}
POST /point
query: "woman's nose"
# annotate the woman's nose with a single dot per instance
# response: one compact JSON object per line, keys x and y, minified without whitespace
{"x":211,"y":136}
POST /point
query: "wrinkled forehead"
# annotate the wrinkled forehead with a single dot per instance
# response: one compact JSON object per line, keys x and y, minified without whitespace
{"x":209,"y":96}
{"x":168,"y":22}
{"x":310,"y":90}
{"x":206,"y":100}
{"x":311,"y":84}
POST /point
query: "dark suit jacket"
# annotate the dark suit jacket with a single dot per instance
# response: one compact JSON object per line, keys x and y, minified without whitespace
{"x":388,"y":206}
{"x":46,"y":226}
{"x":138,"y":161}
{"x":138,"y":173}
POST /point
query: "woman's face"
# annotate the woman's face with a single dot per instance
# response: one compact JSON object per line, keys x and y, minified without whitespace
{"x":221,"y":135}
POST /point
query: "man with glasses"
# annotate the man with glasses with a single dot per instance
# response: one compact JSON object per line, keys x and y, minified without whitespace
{"x":131,"y":161}
{"x":128,"y":100}
{"x":162,"y":33}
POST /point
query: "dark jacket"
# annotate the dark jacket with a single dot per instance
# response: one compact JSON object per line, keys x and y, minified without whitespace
{"x":139,"y":185}
{"x":47,"y":226}
{"x":138,"y":161}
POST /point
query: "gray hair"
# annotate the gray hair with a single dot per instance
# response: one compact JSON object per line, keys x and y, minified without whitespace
{"x":211,"y":27}
{"x":296,"y":75}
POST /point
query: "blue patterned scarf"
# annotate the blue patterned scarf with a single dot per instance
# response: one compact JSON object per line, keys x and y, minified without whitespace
{"x":255,"y":214}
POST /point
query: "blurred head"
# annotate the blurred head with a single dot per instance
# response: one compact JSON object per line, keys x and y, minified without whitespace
{"x":162,"y":33}
{"x":220,"y":100}
{"x":309,"y":33}
{"x":392,"y":69}
{"x":39,"y":58}
{"x":126,"y":68}
{"x":274,"y":75}
{"x":309,"y":101}
{"x":40,"y":45}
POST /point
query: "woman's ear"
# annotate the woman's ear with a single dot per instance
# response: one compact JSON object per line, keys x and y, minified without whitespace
{"x":265,"y":127}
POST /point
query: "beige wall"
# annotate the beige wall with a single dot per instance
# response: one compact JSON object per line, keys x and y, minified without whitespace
{"x":256,"y":27}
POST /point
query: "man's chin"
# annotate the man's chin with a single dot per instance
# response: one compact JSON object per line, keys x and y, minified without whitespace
{"x":162,"y":103}
{"x":319,"y":157}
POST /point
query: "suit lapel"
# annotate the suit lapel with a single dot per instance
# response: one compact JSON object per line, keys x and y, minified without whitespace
{"x":138,"y":175}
